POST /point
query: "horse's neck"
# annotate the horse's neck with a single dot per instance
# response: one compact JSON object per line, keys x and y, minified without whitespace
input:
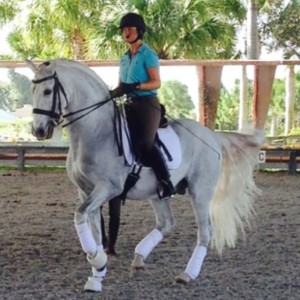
{"x":93,"y":130}
{"x":87,"y":89}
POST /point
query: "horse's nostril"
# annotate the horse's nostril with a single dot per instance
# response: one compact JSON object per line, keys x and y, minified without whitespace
{"x":39,"y":132}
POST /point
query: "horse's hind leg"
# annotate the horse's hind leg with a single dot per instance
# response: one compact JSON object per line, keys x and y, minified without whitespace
{"x":201,"y":207}
{"x":164,"y":223}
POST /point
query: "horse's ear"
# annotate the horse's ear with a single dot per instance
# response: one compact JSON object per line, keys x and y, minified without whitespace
{"x":31,"y":65}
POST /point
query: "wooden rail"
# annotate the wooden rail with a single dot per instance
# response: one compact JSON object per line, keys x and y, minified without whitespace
{"x":168,"y":62}
{"x":22,"y":153}
{"x":25,"y":152}
{"x":282,"y":154}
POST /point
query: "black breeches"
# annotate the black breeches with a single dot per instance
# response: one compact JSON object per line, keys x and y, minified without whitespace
{"x":143,"y":119}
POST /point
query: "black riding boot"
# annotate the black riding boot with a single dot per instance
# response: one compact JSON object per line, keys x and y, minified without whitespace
{"x":162,"y":174}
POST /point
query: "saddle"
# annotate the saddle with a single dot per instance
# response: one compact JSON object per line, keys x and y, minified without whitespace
{"x":166,"y":138}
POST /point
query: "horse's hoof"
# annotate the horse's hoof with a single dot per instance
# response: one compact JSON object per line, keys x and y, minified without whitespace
{"x":111,"y":253}
{"x":93,"y":284}
{"x":138,"y":262}
{"x":183,"y":278}
{"x":112,"y":257}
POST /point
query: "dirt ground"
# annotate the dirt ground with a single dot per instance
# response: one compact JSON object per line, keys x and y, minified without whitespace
{"x":40,"y":255}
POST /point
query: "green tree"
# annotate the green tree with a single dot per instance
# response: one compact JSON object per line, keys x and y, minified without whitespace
{"x":178,"y":103}
{"x":175,"y":29}
{"x":5,"y":100}
{"x":280,"y":29}
{"x":59,"y":28}
{"x":276,"y":111}
{"x":8,"y":10}
{"x":228,"y":109}
{"x":20,"y":86}
{"x":89,"y":29}
{"x":16,"y":93}
{"x":280,"y":26}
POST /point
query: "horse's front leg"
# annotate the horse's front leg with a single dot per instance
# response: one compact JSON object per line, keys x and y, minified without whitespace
{"x":88,"y":227}
{"x":164,"y":223}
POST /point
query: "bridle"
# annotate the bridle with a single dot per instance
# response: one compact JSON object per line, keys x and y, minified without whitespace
{"x":57,"y":101}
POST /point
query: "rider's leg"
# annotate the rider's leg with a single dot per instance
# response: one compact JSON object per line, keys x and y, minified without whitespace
{"x":104,"y":237}
{"x":161,"y":172}
{"x":150,"y":115}
{"x":114,"y":223}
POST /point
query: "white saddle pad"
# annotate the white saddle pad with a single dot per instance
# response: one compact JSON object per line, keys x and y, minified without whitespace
{"x":167,"y":135}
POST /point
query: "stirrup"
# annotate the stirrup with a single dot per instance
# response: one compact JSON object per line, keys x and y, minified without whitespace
{"x":168,"y":191}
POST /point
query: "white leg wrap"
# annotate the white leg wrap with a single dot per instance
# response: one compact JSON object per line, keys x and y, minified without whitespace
{"x":94,"y":283}
{"x":86,"y":238}
{"x":99,"y":274}
{"x":98,"y":261}
{"x":147,"y":244}
{"x":195,"y":263}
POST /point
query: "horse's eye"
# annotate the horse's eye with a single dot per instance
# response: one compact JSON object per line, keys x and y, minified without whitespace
{"x":47,"y":92}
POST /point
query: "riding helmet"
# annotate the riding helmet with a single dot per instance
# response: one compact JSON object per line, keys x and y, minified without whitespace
{"x":134,"y":20}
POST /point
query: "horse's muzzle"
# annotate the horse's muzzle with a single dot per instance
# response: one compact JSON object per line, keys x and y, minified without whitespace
{"x":43,"y":133}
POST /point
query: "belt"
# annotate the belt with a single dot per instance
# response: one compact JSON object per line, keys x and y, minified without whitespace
{"x":141,"y":98}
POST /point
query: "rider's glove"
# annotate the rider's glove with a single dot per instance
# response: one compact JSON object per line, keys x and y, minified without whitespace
{"x":130,"y":87}
{"x":117,"y":92}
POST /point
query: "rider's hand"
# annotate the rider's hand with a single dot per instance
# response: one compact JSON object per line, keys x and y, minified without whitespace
{"x":117,"y":92}
{"x":130,"y":87}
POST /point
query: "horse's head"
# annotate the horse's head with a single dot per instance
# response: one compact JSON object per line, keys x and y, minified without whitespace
{"x":48,"y":99}
{"x":81,"y":93}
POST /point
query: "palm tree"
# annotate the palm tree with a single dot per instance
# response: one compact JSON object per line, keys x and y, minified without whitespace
{"x":59,"y":28}
{"x":8,"y":10}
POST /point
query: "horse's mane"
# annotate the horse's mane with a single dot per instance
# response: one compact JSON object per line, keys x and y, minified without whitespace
{"x":68,"y":63}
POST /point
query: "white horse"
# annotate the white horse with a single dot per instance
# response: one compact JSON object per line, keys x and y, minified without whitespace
{"x":217,"y":168}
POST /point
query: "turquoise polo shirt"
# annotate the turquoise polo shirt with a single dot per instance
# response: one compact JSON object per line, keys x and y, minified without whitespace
{"x":134,"y":69}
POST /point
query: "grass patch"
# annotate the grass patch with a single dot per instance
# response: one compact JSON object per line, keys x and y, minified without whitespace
{"x":275,"y":170}
{"x":33,"y":168}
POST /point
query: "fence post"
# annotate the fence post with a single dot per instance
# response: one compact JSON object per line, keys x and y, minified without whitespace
{"x":21,"y":159}
{"x":262,"y":92}
{"x":293,"y":162}
{"x":209,"y":92}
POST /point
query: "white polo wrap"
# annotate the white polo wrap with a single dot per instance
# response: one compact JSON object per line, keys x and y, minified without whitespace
{"x":99,"y":261}
{"x":86,"y":238}
{"x":195,"y":263}
{"x":148,"y":243}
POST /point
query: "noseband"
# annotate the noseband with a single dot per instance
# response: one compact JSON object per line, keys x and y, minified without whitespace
{"x":57,"y":99}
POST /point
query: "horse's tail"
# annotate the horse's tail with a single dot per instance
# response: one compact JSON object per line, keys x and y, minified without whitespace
{"x":233,"y":202}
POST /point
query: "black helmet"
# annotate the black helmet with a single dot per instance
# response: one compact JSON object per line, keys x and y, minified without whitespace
{"x":133,"y":20}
